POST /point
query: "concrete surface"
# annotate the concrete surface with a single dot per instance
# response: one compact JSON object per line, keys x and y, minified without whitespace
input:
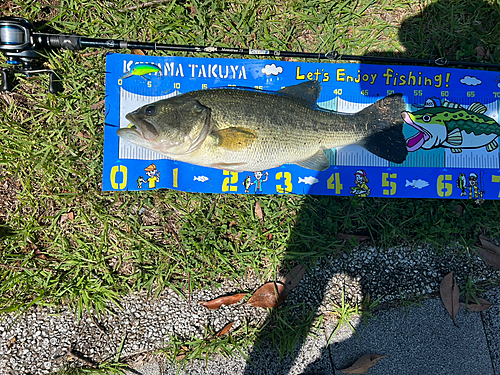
{"x":421,"y":339}
{"x":418,"y":340}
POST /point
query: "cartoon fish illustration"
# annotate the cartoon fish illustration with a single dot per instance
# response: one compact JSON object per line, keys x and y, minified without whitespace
{"x":308,"y":180}
{"x":141,"y":70}
{"x":247,"y":183}
{"x":462,"y":183}
{"x":254,"y":130}
{"x":453,"y":127}
{"x":200,"y":178}
{"x":417,"y":184}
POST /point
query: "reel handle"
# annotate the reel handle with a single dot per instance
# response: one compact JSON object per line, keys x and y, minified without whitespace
{"x":55,"y":84}
{"x":6,"y":85}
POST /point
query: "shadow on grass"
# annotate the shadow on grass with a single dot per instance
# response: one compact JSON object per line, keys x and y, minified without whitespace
{"x":461,"y":31}
{"x":5,"y":231}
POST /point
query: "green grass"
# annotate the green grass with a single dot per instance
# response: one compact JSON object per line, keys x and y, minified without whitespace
{"x":51,"y":158}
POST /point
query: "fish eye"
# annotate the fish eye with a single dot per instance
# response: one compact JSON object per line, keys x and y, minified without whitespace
{"x":150,"y":110}
{"x":426,"y":118}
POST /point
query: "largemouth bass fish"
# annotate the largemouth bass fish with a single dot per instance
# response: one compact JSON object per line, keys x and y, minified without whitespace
{"x":452,"y":126}
{"x":251,"y":130}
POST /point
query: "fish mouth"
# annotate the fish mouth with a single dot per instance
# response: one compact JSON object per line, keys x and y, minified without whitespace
{"x":142,"y":127}
{"x":416,"y":141}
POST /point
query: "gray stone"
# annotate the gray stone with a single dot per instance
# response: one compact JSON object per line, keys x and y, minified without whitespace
{"x":421,"y":340}
{"x":491,"y":319}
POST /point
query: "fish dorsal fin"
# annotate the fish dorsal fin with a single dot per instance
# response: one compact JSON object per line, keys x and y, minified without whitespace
{"x":477,"y":107}
{"x":307,"y":92}
{"x":234,"y":139}
{"x":318,"y":162}
{"x":448,"y":104}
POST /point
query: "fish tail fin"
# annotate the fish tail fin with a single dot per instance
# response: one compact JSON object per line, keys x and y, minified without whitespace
{"x":387,"y":140}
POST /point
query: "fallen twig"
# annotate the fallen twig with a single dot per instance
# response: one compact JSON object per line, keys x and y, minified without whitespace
{"x":144,"y":5}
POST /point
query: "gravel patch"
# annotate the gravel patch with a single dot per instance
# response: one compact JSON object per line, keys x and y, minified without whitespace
{"x":37,"y":342}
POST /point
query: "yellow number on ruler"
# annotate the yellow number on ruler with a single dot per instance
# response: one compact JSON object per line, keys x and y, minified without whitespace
{"x":386,"y":182}
{"x":444,"y":189}
{"x":176,"y":175}
{"x":123,"y":170}
{"x":334,"y":183}
{"x":288,"y":182}
{"x":495,"y":179}
{"x":233,"y":180}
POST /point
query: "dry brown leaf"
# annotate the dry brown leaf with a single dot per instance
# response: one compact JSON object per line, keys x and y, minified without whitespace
{"x":292,"y":279}
{"x":68,"y":216}
{"x":11,"y":342}
{"x":482,"y":52}
{"x":38,"y":254}
{"x":225,"y":330}
{"x":137,"y":52}
{"x":357,"y":237}
{"x":362,"y":365}
{"x":98,"y":105}
{"x":182,"y":353}
{"x":450,"y":295}
{"x":491,"y":258}
{"x":459,"y":210}
{"x":268,"y":295}
{"x":258,"y":212}
{"x":226,"y":300}
{"x":488,"y":244}
{"x":83,"y":135}
{"x":482,"y":306}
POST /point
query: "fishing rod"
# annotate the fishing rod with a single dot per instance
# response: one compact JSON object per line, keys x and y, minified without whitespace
{"x":22,"y":47}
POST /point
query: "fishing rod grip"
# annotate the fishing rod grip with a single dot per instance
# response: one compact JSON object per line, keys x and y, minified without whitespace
{"x":69,"y":42}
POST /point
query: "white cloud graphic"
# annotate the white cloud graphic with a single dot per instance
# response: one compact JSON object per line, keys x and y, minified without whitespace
{"x":470,"y":81}
{"x":272,"y":69}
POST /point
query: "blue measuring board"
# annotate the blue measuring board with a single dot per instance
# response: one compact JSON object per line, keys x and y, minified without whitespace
{"x":446,"y":159}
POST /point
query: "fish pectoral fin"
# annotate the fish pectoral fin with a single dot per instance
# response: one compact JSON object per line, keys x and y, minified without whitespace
{"x":455,"y":137}
{"x":493,"y":145}
{"x":234,"y":139}
{"x":317,"y":162}
{"x":456,"y":150}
